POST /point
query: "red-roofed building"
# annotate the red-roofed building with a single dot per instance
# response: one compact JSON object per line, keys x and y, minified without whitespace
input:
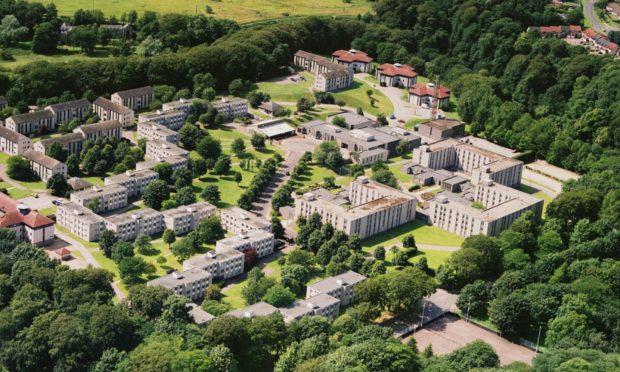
{"x":600,"y":43}
{"x":425,"y":94}
{"x":396,"y":75}
{"x":561,"y":32}
{"x":27,"y":223}
{"x":355,"y":59}
{"x":63,"y":253}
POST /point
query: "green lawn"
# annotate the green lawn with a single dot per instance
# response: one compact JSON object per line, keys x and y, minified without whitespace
{"x":97,"y":181}
{"x":434,"y":257}
{"x":35,"y":185}
{"x":232,"y":296}
{"x":16,"y":193}
{"x":289,"y":91}
{"x":48,"y":211}
{"x":22,"y":55}
{"x":423,"y":234}
{"x":355,"y":96}
{"x":319,"y":112}
{"x":238,"y":10}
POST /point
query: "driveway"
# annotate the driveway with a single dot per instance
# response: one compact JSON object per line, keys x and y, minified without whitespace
{"x":597,"y":24}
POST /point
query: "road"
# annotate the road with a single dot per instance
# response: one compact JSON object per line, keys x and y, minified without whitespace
{"x":597,"y":24}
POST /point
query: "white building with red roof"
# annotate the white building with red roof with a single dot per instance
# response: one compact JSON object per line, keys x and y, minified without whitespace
{"x":355,"y":59}
{"x":425,"y":94}
{"x":396,"y":75}
{"x":28,"y":224}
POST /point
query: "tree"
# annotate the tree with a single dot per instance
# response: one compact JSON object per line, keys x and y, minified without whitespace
{"x":84,"y":37}
{"x":277,"y":228}
{"x":209,"y":148}
{"x":375,"y":355}
{"x":165,"y":171}
{"x":474,"y":298}
{"x":185,"y":196}
{"x":386,"y":177}
{"x":279,"y":296}
{"x":58,"y":185}
{"x":339,"y":121}
{"x":222,"y":165}
{"x":211,"y":193}
{"x":572,"y":206}
{"x":379,"y":253}
{"x":18,"y":168}
{"x":155,"y":193}
{"x":131,"y":269}
{"x":328,"y":154}
{"x":510,"y":314}
{"x":258,"y":141}
{"x":142,"y":244}
{"x":169,"y":237}
{"x":475,"y":355}
{"x":182,"y":177}
{"x":236,"y":88}
{"x":150,"y":47}
{"x":256,"y":287}
{"x":402,"y":147}
{"x":73,"y":165}
{"x":409,"y":241}
{"x":238,"y":146}
{"x":211,"y":230}
{"x":190,"y":135}
{"x":45,"y":38}
{"x":11,"y":31}
{"x":183,"y":249}
{"x":237,"y":177}
{"x":294,"y":277}
{"x":107,"y":241}
{"x":304,"y":104}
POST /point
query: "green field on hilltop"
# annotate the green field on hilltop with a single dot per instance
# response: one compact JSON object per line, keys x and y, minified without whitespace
{"x":238,"y":10}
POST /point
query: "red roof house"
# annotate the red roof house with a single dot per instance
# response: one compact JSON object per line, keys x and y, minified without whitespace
{"x":27,"y":223}
{"x":357,"y":60}
{"x":420,"y":94}
{"x":396,"y":75}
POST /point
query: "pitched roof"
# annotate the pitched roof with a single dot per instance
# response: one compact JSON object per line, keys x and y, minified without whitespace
{"x":39,"y":158}
{"x":77,"y":183}
{"x":12,"y":135}
{"x":109,"y":105}
{"x":32,"y":116}
{"x":65,"y":139}
{"x":69,"y":105}
{"x":421,"y":89}
{"x":99,"y":127}
{"x":397,"y":70}
{"x":352,"y":56}
{"x":11,"y":215}
{"x":270,"y":106}
{"x":136,"y":92}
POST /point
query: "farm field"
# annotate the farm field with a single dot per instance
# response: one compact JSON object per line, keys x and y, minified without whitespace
{"x":239,"y":10}
{"x":22,"y":55}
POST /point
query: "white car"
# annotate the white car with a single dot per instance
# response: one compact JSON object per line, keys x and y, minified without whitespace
{"x":425,"y":106}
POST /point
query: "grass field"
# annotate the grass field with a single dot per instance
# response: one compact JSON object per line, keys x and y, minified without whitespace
{"x":23,"y":55}
{"x":232,"y":296}
{"x":355,"y":96}
{"x":423,"y":234}
{"x":239,"y":10}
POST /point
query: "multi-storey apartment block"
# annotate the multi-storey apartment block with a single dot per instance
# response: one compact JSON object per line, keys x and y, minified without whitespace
{"x":258,"y":309}
{"x":369,"y":208}
{"x":65,"y":112}
{"x":108,"y":110}
{"x":13,"y":143}
{"x":72,"y":142}
{"x":44,"y":166}
{"x":183,"y":104}
{"x":238,"y":221}
{"x":189,"y":283}
{"x":222,"y":265}
{"x":102,"y":129}
{"x":259,"y":241}
{"x":319,"y":305}
{"x":340,"y":286}
{"x":80,"y":221}
{"x":172,"y":119}
{"x":28,"y":224}
{"x":134,"y":181}
{"x":156,"y":149}
{"x":186,"y":218}
{"x":31,"y":122}
{"x":175,"y":161}
{"x":329,"y":75}
{"x":110,"y":197}
{"x":232,"y":108}
{"x":153,"y":131}
{"x":135,"y":99}
{"x":128,"y":226}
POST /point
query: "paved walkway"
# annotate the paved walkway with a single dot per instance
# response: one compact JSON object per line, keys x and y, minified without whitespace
{"x":597,"y":24}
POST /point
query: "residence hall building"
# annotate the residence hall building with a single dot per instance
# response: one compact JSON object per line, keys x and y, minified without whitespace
{"x":186,"y":218}
{"x":259,"y":241}
{"x":320,"y":305}
{"x":396,"y":75}
{"x":182,"y":104}
{"x":31,"y":122}
{"x":368,"y":209}
{"x":110,"y":197}
{"x":441,"y":129}
{"x":223,"y":265}
{"x":80,"y":221}
{"x":340,"y":286}
{"x":329,"y":75}
{"x":156,"y":149}
{"x":258,"y":309}
{"x":134,"y":181}
{"x":44,"y":166}
{"x":102,"y":129}
{"x":152,"y":131}
{"x":239,"y":221}
{"x":108,"y":110}
{"x":128,"y":226}
{"x":427,"y":94}
{"x":231,"y":107}
{"x":356,"y":60}
{"x":135,"y":99}
{"x":71,"y":142}
{"x":172,"y":119}
{"x":65,"y":112}
{"x":190,"y":283}
{"x":475,"y":162}
{"x":175,"y":161}
{"x":28,"y":224}
{"x":13,"y":143}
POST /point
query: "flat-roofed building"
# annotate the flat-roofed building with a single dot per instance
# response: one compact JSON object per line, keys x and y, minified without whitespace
{"x":29,"y":225}
{"x":110,"y":197}
{"x":38,"y":121}
{"x":44,"y":166}
{"x":189,"y":283}
{"x":156,"y":149}
{"x":355,"y":121}
{"x":102,"y":129}
{"x":13,"y":143}
{"x":186,"y":218}
{"x":369,"y":208}
{"x":259,"y":241}
{"x":238,"y":221}
{"x":231,"y":107}
{"x":172,"y":119}
{"x":134,"y":99}
{"x":108,"y":110}
{"x":223,"y":265}
{"x":340,"y":286}
{"x":199,"y":316}
{"x":175,"y":161}
{"x":258,"y":309}
{"x":72,"y":142}
{"x":320,"y":305}
{"x":396,"y":75}
{"x":128,"y":226}
{"x":354,"y":59}
{"x":134,"y":181}
{"x":184,"y":104}
{"x":370,"y":157}
{"x":441,"y":129}
{"x":80,"y":221}
{"x":153,"y":131}
{"x":65,"y":112}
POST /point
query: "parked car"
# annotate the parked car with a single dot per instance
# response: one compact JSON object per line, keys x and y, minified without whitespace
{"x":425,"y":106}
{"x":401,"y":121}
{"x":392,"y":117}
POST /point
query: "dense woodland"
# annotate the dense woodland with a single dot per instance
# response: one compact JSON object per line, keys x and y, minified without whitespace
{"x":541,"y":96}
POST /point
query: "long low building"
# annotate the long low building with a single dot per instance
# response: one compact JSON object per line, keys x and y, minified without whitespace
{"x":135,"y":99}
{"x":329,"y":75}
{"x":239,"y":221}
{"x":135,"y":181}
{"x":128,"y":226}
{"x":108,"y":110}
{"x":100,"y":130}
{"x":320,"y":305}
{"x":175,"y":161}
{"x":258,"y":241}
{"x":71,"y":142}
{"x":258,"y":309}
{"x":44,"y":166}
{"x":223,"y":266}
{"x":186,"y":218}
{"x":340,"y":286}
{"x":369,"y":208}
{"x":231,"y":107}
{"x":153,"y":131}
{"x":156,"y":149}
{"x":190,"y":283}
{"x":65,"y":112}
{"x":81,"y":221}
{"x":109,"y":198}
{"x":172,"y":119}
{"x":28,"y":224}
{"x":31,"y":122}
{"x":13,"y":143}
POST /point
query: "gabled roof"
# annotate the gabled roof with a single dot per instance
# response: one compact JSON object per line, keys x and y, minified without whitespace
{"x":10,"y":215}
{"x":136,"y":92}
{"x":270,"y":106}
{"x":69,"y":105}
{"x":352,"y":56}
{"x":99,"y":127}
{"x":421,"y":89}
{"x":65,"y":139}
{"x":39,"y":158}
{"x":32,"y":116}
{"x":12,"y":135}
{"x":109,"y":105}
{"x":397,"y":70}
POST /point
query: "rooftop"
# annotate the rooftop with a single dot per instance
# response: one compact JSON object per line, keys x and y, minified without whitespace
{"x":32,"y":116}
{"x":136,"y":92}
{"x":179,"y":103}
{"x":151,"y":163}
{"x":160,"y":113}
{"x":99,"y":190}
{"x":275,"y":128}
{"x":77,"y":183}
{"x":352,"y":56}
{"x":13,"y":213}
{"x":212,"y":257}
{"x":84,"y":213}
{"x":258,"y":309}
{"x":131,"y":174}
{"x":308,"y":306}
{"x":429,"y":89}
{"x":354,"y":119}
{"x":181,"y":278}
{"x":99,"y":127}
{"x":397,"y":69}
{"x":65,"y":139}
{"x":12,"y":135}
{"x":236,"y":240}
{"x":132,"y":215}
{"x":248,"y":217}
{"x":110,"y":106}
{"x":83,"y":103}
{"x":443,"y":124}
{"x":39,"y":158}
{"x":199,"y":315}
{"x":186,"y":209}
{"x":334,"y":282}
{"x":158,"y":127}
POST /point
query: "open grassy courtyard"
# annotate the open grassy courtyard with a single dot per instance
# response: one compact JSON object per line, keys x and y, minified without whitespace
{"x":424,"y":234}
{"x":238,"y":10}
